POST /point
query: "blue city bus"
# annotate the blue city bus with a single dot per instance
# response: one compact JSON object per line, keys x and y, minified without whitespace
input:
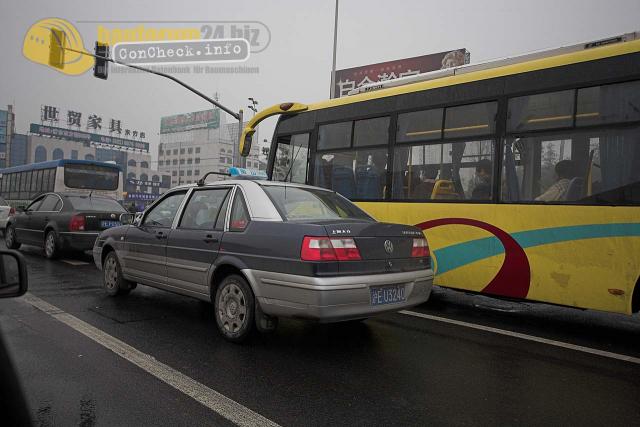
{"x":20,"y":184}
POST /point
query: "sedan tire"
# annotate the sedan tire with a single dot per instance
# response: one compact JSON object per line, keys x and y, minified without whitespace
{"x":234,"y":308}
{"x":51,"y":247}
{"x":112,"y":280}
{"x":10,"y":238}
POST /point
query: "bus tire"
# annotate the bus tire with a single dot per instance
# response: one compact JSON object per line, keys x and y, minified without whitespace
{"x":51,"y":246}
{"x":10,"y":238}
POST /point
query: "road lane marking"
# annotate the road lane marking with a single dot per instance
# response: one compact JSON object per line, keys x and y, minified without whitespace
{"x":222,"y":405}
{"x":533,"y":338}
{"x":74,"y":262}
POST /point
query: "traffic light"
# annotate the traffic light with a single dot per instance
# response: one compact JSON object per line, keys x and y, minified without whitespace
{"x":101,"y":67}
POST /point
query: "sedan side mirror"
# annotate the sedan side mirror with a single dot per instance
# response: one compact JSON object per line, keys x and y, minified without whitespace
{"x":138,"y":219}
{"x":13,"y":274}
{"x":126,"y":218}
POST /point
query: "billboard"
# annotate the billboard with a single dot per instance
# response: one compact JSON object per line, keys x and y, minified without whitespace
{"x":352,"y":78}
{"x":86,"y":137}
{"x":198,"y":119}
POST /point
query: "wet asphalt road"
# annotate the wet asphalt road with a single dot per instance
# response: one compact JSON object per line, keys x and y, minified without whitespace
{"x":391,"y":370}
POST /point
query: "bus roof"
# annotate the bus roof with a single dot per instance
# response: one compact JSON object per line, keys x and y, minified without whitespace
{"x":55,"y":163}
{"x":621,"y":45}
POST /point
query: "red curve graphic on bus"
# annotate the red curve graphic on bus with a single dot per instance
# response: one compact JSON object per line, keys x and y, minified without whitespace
{"x":514,"y":275}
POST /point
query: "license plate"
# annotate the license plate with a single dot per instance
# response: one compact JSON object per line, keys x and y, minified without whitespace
{"x":392,"y":294}
{"x":109,"y":224}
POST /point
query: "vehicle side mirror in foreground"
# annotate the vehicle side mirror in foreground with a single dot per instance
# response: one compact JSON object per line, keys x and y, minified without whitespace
{"x":13,"y":274}
{"x":126,"y":218}
{"x":138,"y":218}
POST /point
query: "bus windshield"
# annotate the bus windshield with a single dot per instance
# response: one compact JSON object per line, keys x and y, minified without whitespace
{"x":92,"y":177}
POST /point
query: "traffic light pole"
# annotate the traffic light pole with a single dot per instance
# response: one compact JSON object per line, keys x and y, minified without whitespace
{"x":237,"y":116}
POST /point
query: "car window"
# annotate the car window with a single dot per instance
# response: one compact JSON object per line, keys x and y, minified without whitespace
{"x":202,"y":209}
{"x":86,"y":203}
{"x":162,"y":214}
{"x":223,"y":213}
{"x":296,"y":203}
{"x":49,"y":203}
{"x":33,"y":206}
{"x":239,"y":214}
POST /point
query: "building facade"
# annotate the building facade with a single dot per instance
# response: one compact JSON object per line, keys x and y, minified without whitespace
{"x":7,"y":127}
{"x":193,"y":144}
{"x":142,"y":182}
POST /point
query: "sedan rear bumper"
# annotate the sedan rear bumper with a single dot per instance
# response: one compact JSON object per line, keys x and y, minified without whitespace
{"x":333,"y":299}
{"x":78,"y":240}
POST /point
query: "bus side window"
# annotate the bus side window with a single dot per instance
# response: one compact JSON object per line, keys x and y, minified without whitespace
{"x":459,"y":170}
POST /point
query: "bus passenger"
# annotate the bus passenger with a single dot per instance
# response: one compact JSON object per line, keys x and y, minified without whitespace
{"x":427,"y":181}
{"x":564,"y":172}
{"x":482,"y":188}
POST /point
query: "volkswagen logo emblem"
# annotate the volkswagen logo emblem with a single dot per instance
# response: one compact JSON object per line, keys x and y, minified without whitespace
{"x":388,"y":246}
{"x":113,"y":216}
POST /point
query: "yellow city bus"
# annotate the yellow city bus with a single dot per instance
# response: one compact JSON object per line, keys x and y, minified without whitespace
{"x":524,"y":173}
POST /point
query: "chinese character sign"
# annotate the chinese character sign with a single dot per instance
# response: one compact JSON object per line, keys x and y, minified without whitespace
{"x":352,"y":78}
{"x":73,"y":118}
{"x":49,"y":113}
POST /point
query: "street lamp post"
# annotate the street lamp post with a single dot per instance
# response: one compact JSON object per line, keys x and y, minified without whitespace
{"x":253,"y":107}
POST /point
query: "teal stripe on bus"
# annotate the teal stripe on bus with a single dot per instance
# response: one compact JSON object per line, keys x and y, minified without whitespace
{"x":461,"y":254}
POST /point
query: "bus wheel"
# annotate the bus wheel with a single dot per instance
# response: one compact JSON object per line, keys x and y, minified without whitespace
{"x":51,"y":249}
{"x":112,"y":278}
{"x":10,"y":238}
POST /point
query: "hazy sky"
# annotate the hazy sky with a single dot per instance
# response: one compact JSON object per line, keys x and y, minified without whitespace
{"x":296,"y":65}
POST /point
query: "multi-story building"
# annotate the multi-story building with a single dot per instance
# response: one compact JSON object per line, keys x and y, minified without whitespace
{"x":7,"y":120}
{"x":194,"y":143}
{"x":142,"y":183}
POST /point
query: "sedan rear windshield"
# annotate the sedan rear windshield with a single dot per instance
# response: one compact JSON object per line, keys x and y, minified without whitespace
{"x":95,"y":204}
{"x":296,"y":203}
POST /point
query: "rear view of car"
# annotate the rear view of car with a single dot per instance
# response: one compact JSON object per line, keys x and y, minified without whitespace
{"x":350,"y":266}
{"x":62,"y":222}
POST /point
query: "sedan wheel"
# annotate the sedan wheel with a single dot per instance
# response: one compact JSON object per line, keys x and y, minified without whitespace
{"x":112,"y":278}
{"x":234,"y":306}
{"x":10,"y":238}
{"x":51,"y":250}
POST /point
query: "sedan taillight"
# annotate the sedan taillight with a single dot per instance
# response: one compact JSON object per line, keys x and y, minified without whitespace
{"x":326,"y":249}
{"x":420,"y":248}
{"x":77,"y":223}
{"x":12,"y":211}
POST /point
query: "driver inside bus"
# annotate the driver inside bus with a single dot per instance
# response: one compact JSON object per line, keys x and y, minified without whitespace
{"x":564,"y":173}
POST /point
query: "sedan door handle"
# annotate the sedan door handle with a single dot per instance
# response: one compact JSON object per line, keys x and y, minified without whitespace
{"x":160,"y":235}
{"x":210,"y":239}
